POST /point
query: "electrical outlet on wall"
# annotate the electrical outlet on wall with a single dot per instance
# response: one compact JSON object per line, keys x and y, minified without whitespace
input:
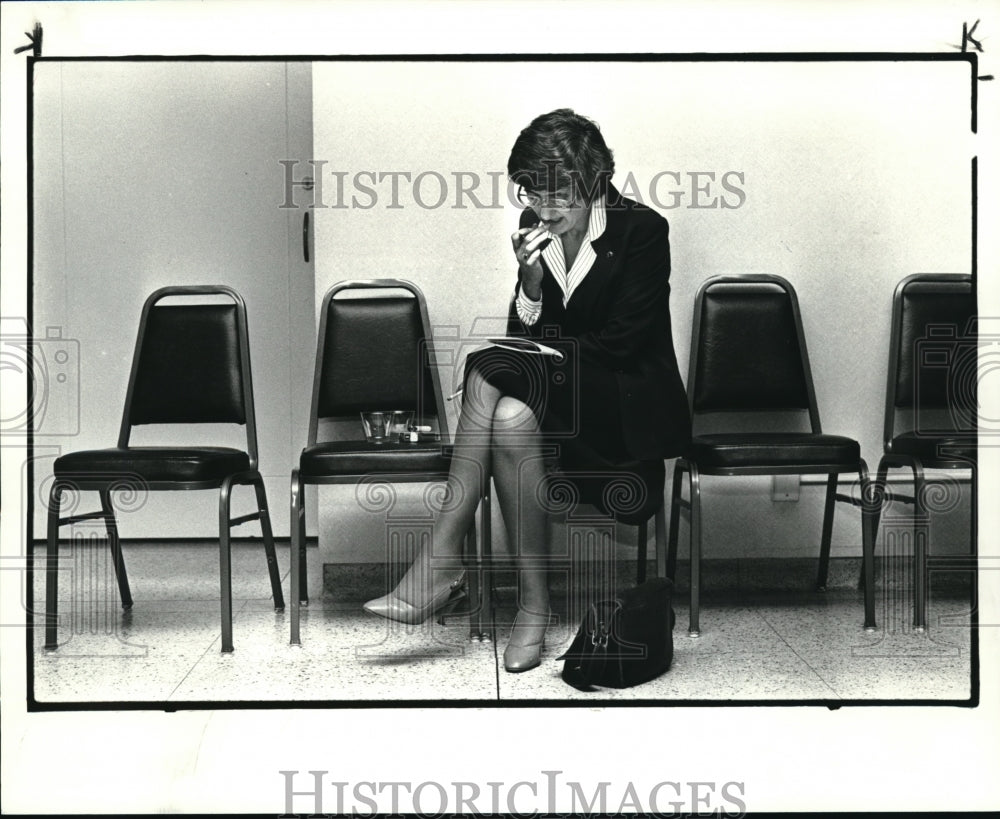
{"x":784,"y":487}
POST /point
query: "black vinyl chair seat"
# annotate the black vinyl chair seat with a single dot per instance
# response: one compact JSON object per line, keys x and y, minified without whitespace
{"x":934,"y":445}
{"x":332,"y":458}
{"x":175,"y":464}
{"x":772,"y":449}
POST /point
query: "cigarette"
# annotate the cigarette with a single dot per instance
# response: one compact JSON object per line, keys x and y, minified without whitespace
{"x":455,"y":394}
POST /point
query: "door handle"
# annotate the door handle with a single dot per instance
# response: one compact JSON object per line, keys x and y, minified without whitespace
{"x":305,"y":237}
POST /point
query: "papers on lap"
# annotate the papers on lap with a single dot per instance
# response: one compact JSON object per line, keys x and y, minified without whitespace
{"x":525,"y":345}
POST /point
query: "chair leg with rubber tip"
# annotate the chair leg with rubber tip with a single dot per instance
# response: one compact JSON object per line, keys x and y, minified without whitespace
{"x":295,"y":556}
{"x":868,"y":546}
{"x":919,"y":552}
{"x":226,"y":567}
{"x":52,"y":569}
{"x":694,"y":628}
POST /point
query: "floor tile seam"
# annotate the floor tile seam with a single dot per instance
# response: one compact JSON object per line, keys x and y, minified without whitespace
{"x":492,"y":632}
{"x":801,"y":659}
{"x":202,"y":656}
{"x":190,"y":671}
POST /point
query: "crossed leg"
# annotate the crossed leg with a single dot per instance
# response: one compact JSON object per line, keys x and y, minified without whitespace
{"x":498,"y":436}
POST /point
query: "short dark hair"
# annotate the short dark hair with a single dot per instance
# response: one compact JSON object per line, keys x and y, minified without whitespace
{"x":562,"y":150}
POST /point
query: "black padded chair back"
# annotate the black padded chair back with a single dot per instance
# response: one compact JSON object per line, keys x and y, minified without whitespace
{"x":192,"y":363}
{"x":748,"y":351}
{"x":375,"y":353}
{"x":189,"y":367}
{"x":935,"y":359}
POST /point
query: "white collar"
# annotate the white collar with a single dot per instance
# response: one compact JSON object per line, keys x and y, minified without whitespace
{"x":554,"y":255}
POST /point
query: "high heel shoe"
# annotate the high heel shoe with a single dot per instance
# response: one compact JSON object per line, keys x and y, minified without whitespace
{"x":393,"y":607}
{"x":526,"y":653}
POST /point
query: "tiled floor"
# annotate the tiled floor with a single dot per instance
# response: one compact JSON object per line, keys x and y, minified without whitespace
{"x":767,"y":646}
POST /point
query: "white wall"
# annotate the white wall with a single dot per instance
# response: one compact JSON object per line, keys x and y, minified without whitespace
{"x":156,"y":173}
{"x":855,"y":175}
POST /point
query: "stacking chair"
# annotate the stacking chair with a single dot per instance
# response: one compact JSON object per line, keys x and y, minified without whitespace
{"x":931,"y":392}
{"x":191,"y":366}
{"x":748,"y":357}
{"x":373,"y":353}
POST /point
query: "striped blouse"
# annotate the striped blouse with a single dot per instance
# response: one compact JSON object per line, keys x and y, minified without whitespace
{"x":528,"y":310}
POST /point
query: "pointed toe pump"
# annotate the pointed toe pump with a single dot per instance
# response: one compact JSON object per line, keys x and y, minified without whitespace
{"x":524,"y":650}
{"x":392,"y":607}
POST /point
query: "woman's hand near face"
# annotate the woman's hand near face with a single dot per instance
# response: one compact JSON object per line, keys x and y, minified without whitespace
{"x":528,"y":244}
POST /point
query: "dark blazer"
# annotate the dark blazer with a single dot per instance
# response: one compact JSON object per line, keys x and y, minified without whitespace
{"x":619,"y":316}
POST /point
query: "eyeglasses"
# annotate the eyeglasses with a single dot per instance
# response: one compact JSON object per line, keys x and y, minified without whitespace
{"x":533,"y":200}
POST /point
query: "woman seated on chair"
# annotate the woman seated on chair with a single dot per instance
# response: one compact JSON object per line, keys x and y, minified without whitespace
{"x":592,"y":283}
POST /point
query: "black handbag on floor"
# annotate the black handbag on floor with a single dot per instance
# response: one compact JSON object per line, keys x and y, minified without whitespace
{"x":623,"y":641}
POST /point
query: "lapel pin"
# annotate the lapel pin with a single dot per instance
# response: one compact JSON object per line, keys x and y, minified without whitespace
{"x":611,"y":254}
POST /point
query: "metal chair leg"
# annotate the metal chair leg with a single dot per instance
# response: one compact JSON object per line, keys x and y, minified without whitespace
{"x":695,"y":492}
{"x":879,"y":501}
{"x":303,"y":555}
{"x":52,"y":568}
{"x":475,"y":582}
{"x":297,"y":521}
{"x":116,"y":548}
{"x":660,"y":527}
{"x":642,"y":533}
{"x":878,"y":496}
{"x":919,"y":550}
{"x":272,"y":558}
{"x":675,"y":519}
{"x":867,"y":545}
{"x":824,"y":548}
{"x":225,"y":566}
{"x":486,"y":565}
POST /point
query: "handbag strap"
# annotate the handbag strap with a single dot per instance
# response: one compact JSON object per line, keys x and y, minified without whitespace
{"x":601,"y":621}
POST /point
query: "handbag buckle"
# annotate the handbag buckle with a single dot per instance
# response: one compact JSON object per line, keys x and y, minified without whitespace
{"x":601,"y":635}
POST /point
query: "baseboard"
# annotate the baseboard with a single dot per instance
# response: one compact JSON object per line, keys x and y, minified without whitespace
{"x":184,"y":541}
